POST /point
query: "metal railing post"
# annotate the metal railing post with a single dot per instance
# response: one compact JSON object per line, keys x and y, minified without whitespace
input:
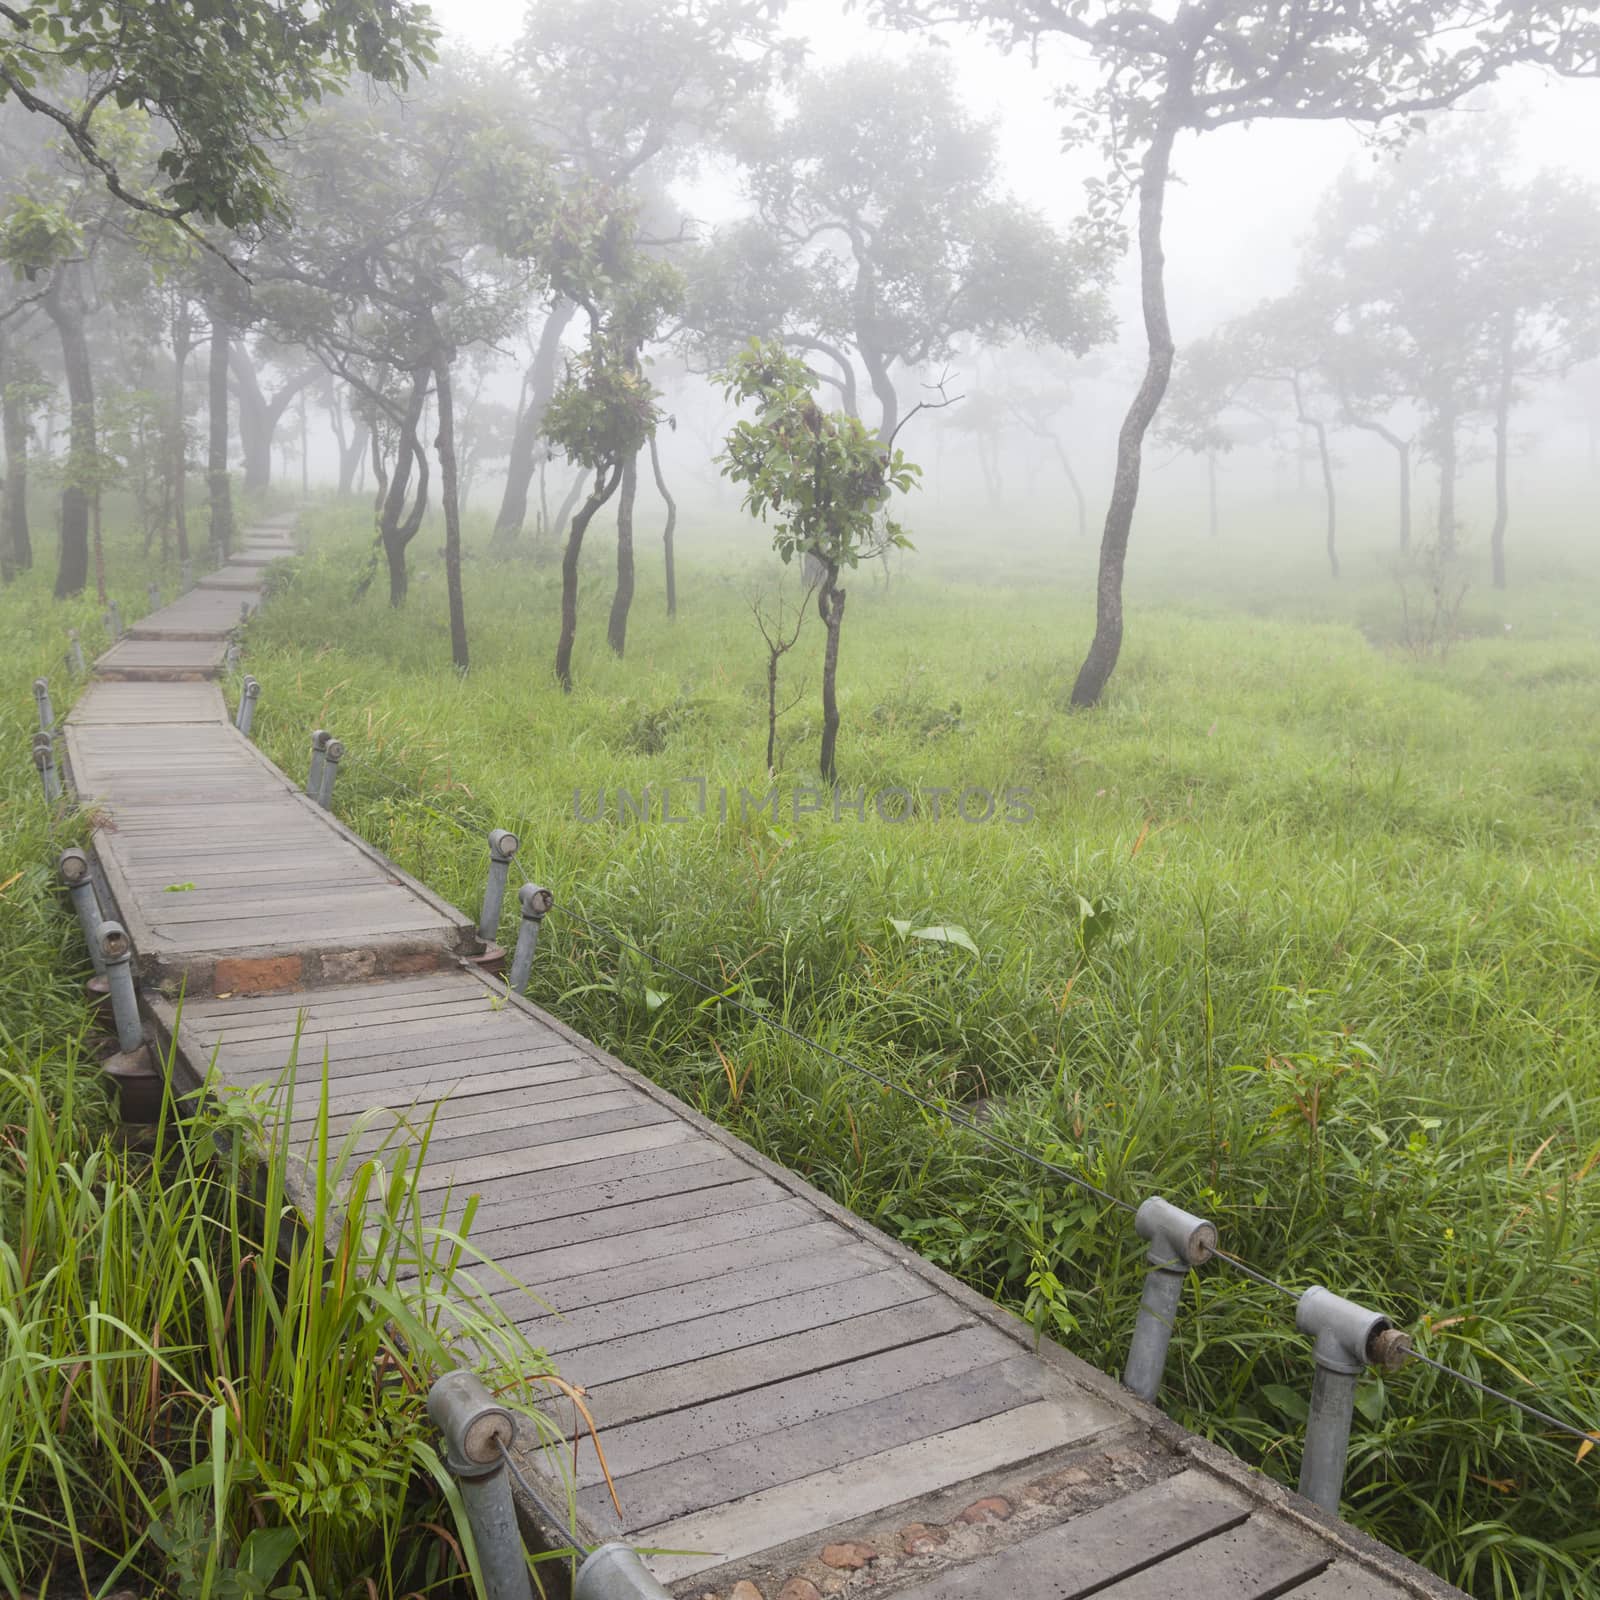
{"x":535,"y":902}
{"x":475,"y":1428}
{"x":502,"y":847}
{"x":332,"y":755}
{"x":1348,"y":1339}
{"x":244,"y":610}
{"x":116,"y":950}
{"x":615,"y":1572}
{"x":41,"y":697}
{"x":319,"y":745}
{"x":74,"y":869}
{"x":75,"y":652}
{"x":249,"y":693}
{"x":114,"y":619}
{"x":44,"y":758}
{"x":153,"y":595}
{"x":186,"y":574}
{"x":1178,"y":1241}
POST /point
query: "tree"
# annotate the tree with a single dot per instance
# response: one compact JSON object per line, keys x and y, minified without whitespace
{"x":604,"y":411}
{"x":222,"y":82}
{"x":824,"y":479}
{"x":1469,"y":282}
{"x":624,"y":91}
{"x":882,"y":236}
{"x":1199,"y":65}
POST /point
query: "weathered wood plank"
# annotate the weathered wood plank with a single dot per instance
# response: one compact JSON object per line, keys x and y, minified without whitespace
{"x":1082,"y":1555}
{"x":678,"y":1488}
{"x":873,"y":1483}
{"x":1258,"y":1560}
{"x":1346,"y":1581}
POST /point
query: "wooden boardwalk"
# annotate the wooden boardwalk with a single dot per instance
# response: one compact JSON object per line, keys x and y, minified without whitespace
{"x":791,"y":1404}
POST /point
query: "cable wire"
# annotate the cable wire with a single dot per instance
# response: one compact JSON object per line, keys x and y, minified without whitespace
{"x":546,"y":1510}
{"x":963,"y":1120}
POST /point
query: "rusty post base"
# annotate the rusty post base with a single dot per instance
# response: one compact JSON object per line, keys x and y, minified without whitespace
{"x":137,"y":1078}
{"x":491,"y":959}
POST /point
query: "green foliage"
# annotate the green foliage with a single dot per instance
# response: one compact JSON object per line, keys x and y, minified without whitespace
{"x":223,"y":80}
{"x":1368,"y":883}
{"x":822,"y":476}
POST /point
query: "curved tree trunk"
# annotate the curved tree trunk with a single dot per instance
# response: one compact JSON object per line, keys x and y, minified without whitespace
{"x":1402,"y":450}
{"x":883,"y":389}
{"x":667,"y":532}
{"x":397,"y":527}
{"x":524,"y":458}
{"x":64,"y":304}
{"x":617,"y":626}
{"x":605,"y":485}
{"x":218,"y":488}
{"x":1106,"y":645}
{"x":830,"y":607}
{"x":182,"y":344}
{"x":1447,"y":450}
{"x":16,"y":543}
{"x":445,"y":444}
{"x":1502,"y":458}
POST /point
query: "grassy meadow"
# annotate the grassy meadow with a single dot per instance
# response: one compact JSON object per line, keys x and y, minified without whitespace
{"x":1302,"y":935}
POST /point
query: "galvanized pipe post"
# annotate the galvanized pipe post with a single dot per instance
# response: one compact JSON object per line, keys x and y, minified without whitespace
{"x":249,"y":693}
{"x":114,"y":619}
{"x":1348,"y":1339}
{"x":116,"y":950}
{"x":153,"y":594}
{"x":74,"y":869}
{"x":535,"y":902}
{"x":75,"y":652}
{"x":1178,"y":1241}
{"x":332,"y":755}
{"x":615,"y":1572}
{"x":244,"y":610}
{"x":44,"y":758}
{"x":502,"y":847}
{"x":475,"y":1428}
{"x":41,"y":697}
{"x":319,"y":745}
{"x":186,"y":574}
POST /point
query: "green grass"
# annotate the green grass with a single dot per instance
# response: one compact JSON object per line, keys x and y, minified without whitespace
{"x":1304,"y":937}
{"x":195,"y":1400}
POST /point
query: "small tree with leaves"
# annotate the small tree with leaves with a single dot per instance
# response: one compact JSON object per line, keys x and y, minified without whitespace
{"x":824,"y":478}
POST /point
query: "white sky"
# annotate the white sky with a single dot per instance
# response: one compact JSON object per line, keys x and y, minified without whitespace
{"x":1246,"y":193}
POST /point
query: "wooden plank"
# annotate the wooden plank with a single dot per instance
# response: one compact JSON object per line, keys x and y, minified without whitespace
{"x":527,"y":1125}
{"x":566,"y":1080}
{"x":768,"y":1278}
{"x":1080,"y":1556}
{"x":615,"y":1252}
{"x":1258,"y":1560}
{"x":1344,"y":1580}
{"x":610,"y":1221}
{"x":886,"y":1478}
{"x":377,"y":1081}
{"x":216,"y":1006}
{"x":334,"y":1018}
{"x":449,"y":1145}
{"x":678,"y":1488}
{"x":467,"y":1172}
{"x":677,"y":1436}
{"x":749,"y":1366}
{"x":729,"y":1329}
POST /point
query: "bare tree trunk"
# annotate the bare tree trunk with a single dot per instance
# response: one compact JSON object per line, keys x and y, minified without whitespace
{"x":830,"y":607}
{"x":1446,"y":426}
{"x":305,"y":453}
{"x":182,"y":344}
{"x":99,"y":548}
{"x":523,"y":460}
{"x":445,"y":444}
{"x":667,"y":532}
{"x":1077,"y":488}
{"x":883,"y":388}
{"x":617,"y":626}
{"x":64,"y":305}
{"x":16,"y":543}
{"x":255,"y":433}
{"x":1402,"y":449}
{"x":605,"y":485}
{"x":1106,"y":646}
{"x":218,"y":487}
{"x":397,"y":527}
{"x":1502,"y":457}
